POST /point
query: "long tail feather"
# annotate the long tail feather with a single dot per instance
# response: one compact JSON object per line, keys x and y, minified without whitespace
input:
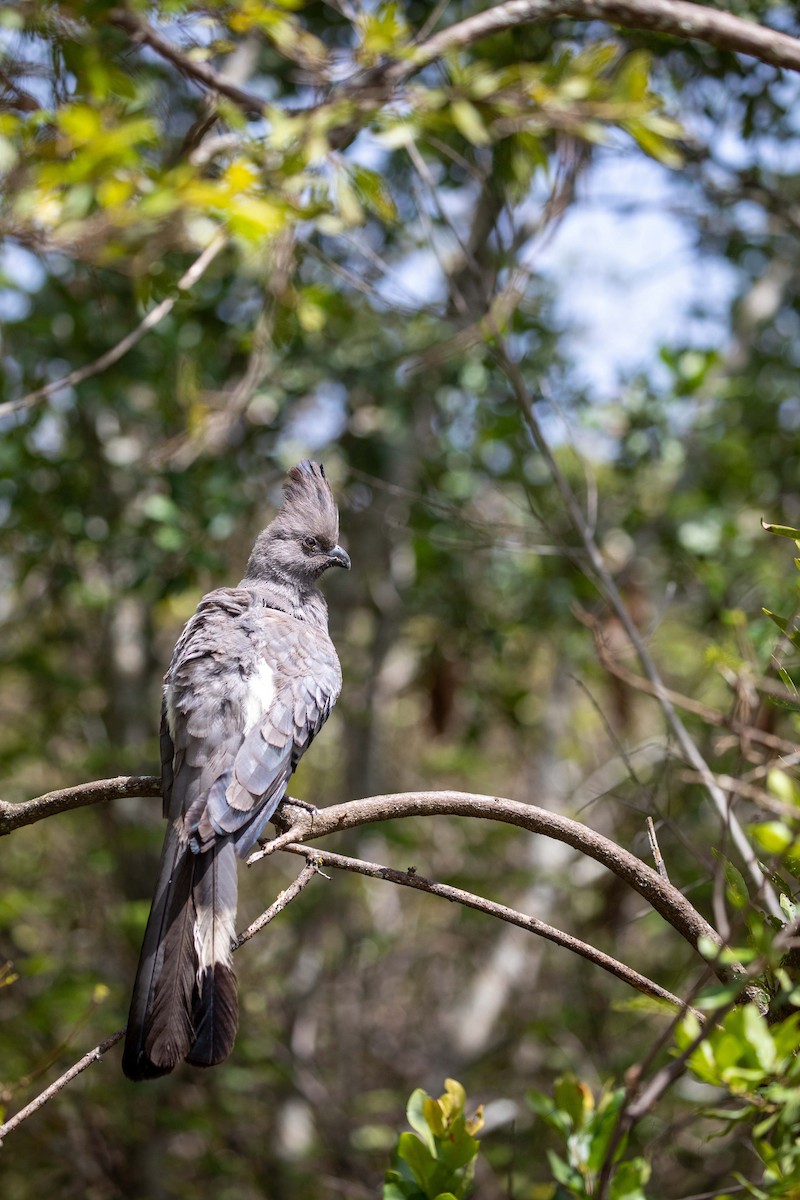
{"x":159,"y":1024}
{"x":215,"y":1007}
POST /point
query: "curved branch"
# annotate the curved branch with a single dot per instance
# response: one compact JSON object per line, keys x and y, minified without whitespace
{"x":661,"y":895}
{"x":14,"y":816}
{"x":410,"y":879}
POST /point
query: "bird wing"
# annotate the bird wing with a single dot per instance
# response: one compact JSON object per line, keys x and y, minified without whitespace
{"x":248,"y":690}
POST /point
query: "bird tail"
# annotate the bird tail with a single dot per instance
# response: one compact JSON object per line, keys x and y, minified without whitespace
{"x":184,"y":1003}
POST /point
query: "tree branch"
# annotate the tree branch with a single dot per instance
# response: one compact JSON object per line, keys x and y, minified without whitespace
{"x":294,"y":889}
{"x":93,"y":1056}
{"x":410,"y":879}
{"x":14,"y":816}
{"x":661,"y":895}
{"x":676,"y":18}
{"x":670,"y":903}
{"x":139,"y":31}
{"x":109,"y":357}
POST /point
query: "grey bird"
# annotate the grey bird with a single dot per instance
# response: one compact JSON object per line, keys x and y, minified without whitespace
{"x":252,"y":680}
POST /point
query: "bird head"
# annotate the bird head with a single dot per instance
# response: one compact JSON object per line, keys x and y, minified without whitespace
{"x":303,"y":540}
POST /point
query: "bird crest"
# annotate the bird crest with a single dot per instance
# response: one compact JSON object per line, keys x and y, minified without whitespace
{"x":308,"y":501}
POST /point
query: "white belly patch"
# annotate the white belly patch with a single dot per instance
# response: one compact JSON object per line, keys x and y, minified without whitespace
{"x":260,"y":694}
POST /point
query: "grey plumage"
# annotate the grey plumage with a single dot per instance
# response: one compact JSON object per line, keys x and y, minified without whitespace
{"x":252,"y":680}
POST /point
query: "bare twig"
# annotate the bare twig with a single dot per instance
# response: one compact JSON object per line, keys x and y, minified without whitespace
{"x":655,"y":849}
{"x":502,"y":912}
{"x":153,"y":318}
{"x":14,"y":816}
{"x":294,"y":889}
{"x":93,"y":1056}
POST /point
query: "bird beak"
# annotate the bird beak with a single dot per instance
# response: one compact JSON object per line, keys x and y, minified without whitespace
{"x":337,"y":557}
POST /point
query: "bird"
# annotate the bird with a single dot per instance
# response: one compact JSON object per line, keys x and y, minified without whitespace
{"x":252,"y":679}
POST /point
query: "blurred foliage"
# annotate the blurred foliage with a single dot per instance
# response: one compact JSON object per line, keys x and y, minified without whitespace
{"x":373,"y":250}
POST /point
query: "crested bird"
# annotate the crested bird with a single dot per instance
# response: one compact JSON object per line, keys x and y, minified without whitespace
{"x":252,"y":679}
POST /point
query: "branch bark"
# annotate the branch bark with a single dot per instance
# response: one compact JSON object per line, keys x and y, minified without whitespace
{"x":410,"y":879}
{"x":14,"y":816}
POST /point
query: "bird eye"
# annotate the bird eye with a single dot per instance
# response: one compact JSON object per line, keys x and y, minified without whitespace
{"x":309,"y":543}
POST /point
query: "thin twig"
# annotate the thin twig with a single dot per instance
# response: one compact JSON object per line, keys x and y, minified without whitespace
{"x":93,"y":1056}
{"x":139,"y":31}
{"x":286,"y":897}
{"x":107,"y":359}
{"x":502,"y":912}
{"x":608,"y":587}
{"x":655,"y":849}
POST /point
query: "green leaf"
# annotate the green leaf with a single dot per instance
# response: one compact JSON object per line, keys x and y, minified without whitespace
{"x":574,"y":1098}
{"x":736,"y":888}
{"x":422,"y":1163}
{"x":565,"y":1174}
{"x":783,"y":786}
{"x":415,"y":1114}
{"x":758,"y":1036}
{"x":787,"y":531}
{"x":774,"y":837}
{"x":629,"y":1179}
